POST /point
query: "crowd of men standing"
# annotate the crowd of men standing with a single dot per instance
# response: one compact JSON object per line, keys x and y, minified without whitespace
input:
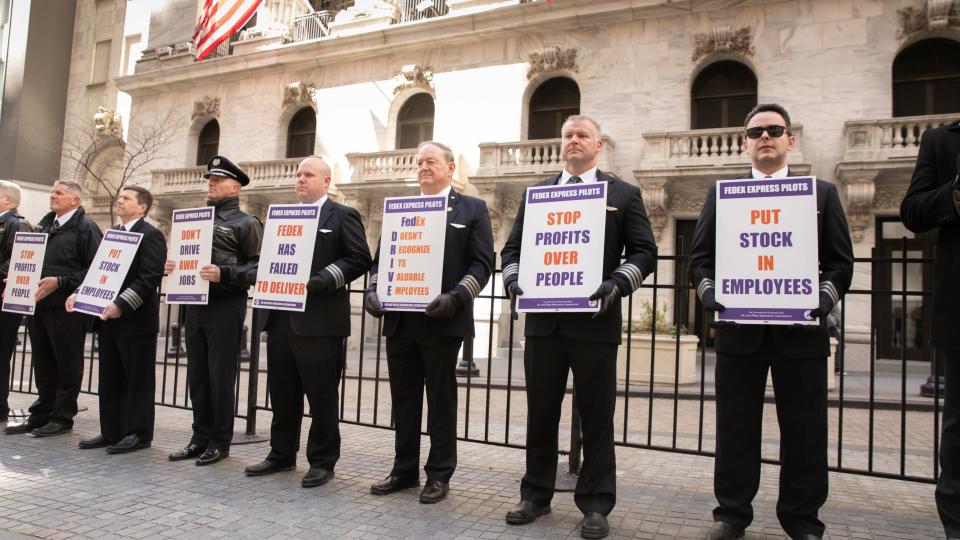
{"x":306,"y":349}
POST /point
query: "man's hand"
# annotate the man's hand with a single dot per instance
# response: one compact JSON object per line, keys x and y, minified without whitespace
{"x":168,"y":267}
{"x":513,"y":291}
{"x":316,"y":284}
{"x":211,"y":273}
{"x":710,"y":302}
{"x":112,"y":311}
{"x":372,"y":305}
{"x":826,"y":306}
{"x":443,"y":306}
{"x":68,"y":305}
{"x":46,"y":287}
{"x":607,"y":293}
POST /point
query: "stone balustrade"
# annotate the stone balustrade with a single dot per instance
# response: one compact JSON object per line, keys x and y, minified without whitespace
{"x":702,"y":147}
{"x":182,"y":180}
{"x":886,"y":139}
{"x":536,"y":157}
{"x":383,"y":166}
{"x":263,"y":175}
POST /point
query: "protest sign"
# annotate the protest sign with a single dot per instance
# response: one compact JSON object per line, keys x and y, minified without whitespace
{"x":105,"y":275}
{"x":285,"y":258}
{"x":561,"y":257}
{"x":767,"y":250}
{"x":23,"y":278}
{"x":191,"y":246}
{"x":411,"y":252}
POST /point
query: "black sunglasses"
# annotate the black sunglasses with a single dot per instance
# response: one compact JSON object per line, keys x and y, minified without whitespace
{"x":774,"y":131}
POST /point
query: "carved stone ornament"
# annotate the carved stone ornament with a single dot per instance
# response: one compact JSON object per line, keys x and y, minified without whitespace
{"x":723,"y":39}
{"x":108,"y":123}
{"x":552,"y":59}
{"x":184,"y":47}
{"x":366,"y":9}
{"x":655,"y":200}
{"x":207,"y":106}
{"x":860,"y":194}
{"x":411,"y":76}
{"x":298,"y":93}
{"x":934,"y":15}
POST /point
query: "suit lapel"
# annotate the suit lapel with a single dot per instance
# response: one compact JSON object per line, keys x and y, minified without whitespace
{"x":453,"y":205}
{"x":325,"y":212}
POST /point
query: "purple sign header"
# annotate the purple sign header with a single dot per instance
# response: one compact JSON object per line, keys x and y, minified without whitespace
{"x":186,"y":297}
{"x":263,"y":303}
{"x":416,"y":204}
{"x":7,"y":306}
{"x":30,"y":238}
{"x":555,"y":303}
{"x":89,"y":307}
{"x":122,"y":237}
{"x":750,"y":189}
{"x":293,"y":212}
{"x":405,"y":305}
{"x":575,"y":192}
{"x":785,"y":315}
{"x":195,"y":214}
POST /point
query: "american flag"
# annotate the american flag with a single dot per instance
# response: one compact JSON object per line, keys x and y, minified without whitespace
{"x":219,"y":19}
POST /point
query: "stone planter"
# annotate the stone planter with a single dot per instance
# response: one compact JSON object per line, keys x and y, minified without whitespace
{"x":831,"y":362}
{"x":665,"y":365}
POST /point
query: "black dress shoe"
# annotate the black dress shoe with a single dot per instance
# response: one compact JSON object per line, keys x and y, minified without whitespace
{"x":266,"y":467}
{"x":526,"y":512}
{"x":316,"y":477}
{"x":392,"y":484}
{"x":434,"y":491}
{"x":594,"y":526}
{"x":51,"y":428}
{"x":23,"y":427}
{"x":93,"y":442}
{"x":190,"y":451}
{"x":722,"y":530}
{"x":209,"y":457}
{"x":129,"y":443}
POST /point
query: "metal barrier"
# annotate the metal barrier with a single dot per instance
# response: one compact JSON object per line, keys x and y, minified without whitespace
{"x":880,"y":426}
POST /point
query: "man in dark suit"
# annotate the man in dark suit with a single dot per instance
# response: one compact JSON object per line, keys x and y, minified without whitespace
{"x":127,"y":337}
{"x":11,"y":222}
{"x":585,"y":343}
{"x":56,"y":337}
{"x":796,"y":356}
{"x":214,"y":331}
{"x":305,"y":349}
{"x":422,"y":348}
{"x":933,"y":202}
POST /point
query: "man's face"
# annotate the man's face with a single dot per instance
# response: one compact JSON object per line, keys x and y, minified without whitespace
{"x":580,"y":145}
{"x":6,"y":202}
{"x":62,"y":200}
{"x":313,"y":180}
{"x":221,"y":187}
{"x":434,"y":172}
{"x":768,"y":153}
{"x":127,"y":206}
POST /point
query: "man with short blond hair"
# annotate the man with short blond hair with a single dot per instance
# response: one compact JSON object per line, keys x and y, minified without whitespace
{"x":11,"y":222}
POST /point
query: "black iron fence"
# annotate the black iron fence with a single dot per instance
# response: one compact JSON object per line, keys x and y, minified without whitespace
{"x":880,"y":424}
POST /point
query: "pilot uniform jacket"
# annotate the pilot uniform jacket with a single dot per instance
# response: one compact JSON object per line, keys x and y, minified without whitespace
{"x":627,"y":231}
{"x":340,"y":256}
{"x":139,"y":298}
{"x":928,"y":205}
{"x":468,"y":260}
{"x":836,"y":273}
{"x":236,"y":249}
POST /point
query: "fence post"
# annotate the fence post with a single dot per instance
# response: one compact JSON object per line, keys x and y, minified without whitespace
{"x":253,"y":375}
{"x":467,"y":367}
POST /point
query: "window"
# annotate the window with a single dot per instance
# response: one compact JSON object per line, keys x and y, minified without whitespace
{"x":301,"y":133}
{"x":132,"y":51}
{"x":415,"y":121}
{"x":723,"y":94}
{"x":208,"y":143}
{"x":926,"y":78}
{"x":552,"y":102}
{"x":101,"y":63}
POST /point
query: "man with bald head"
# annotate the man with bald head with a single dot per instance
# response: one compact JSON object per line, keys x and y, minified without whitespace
{"x":305,"y":349}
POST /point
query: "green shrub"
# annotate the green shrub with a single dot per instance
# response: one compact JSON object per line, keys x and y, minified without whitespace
{"x":643,"y":320}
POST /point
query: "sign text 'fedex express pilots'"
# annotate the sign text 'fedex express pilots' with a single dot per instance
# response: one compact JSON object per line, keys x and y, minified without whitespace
{"x":191,"y":248}
{"x":561,"y":257}
{"x":767,"y":250}
{"x":414,"y":230}
{"x":289,"y":239}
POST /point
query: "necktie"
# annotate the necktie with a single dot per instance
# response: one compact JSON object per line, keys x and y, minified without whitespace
{"x":767,"y":176}
{"x":56,"y":224}
{"x":575,"y":180}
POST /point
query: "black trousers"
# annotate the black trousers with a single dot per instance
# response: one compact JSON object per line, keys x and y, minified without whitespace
{"x":800,"y":387}
{"x":56,"y":341}
{"x":948,"y":483}
{"x":9,"y":325}
{"x":213,"y":345}
{"x":415,"y":363}
{"x":299,"y":365}
{"x":547,"y":360}
{"x":127,"y":385}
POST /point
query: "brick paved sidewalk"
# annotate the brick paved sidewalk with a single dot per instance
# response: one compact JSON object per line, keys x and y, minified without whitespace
{"x":49,"y":488}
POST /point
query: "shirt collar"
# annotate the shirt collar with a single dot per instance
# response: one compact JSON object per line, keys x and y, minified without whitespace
{"x":782,"y":173}
{"x":587,"y":177}
{"x":444,"y":193}
{"x":66,"y":217}
{"x":129,"y":225}
{"x":319,"y":202}
{"x":3,"y":213}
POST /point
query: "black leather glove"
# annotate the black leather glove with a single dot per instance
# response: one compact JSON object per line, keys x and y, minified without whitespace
{"x":826,"y":306}
{"x":726,"y":324}
{"x":710,"y":302}
{"x":371,"y":303}
{"x":443,"y":306}
{"x":513,"y":291}
{"x":607,"y":293}
{"x":317,"y":284}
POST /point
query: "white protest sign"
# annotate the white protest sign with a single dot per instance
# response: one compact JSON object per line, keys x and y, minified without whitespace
{"x":105,"y":277}
{"x":285,"y":258}
{"x":191,"y":246}
{"x":561,"y":256}
{"x":412,"y":239}
{"x":767,"y":250}
{"x":23,"y":277}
